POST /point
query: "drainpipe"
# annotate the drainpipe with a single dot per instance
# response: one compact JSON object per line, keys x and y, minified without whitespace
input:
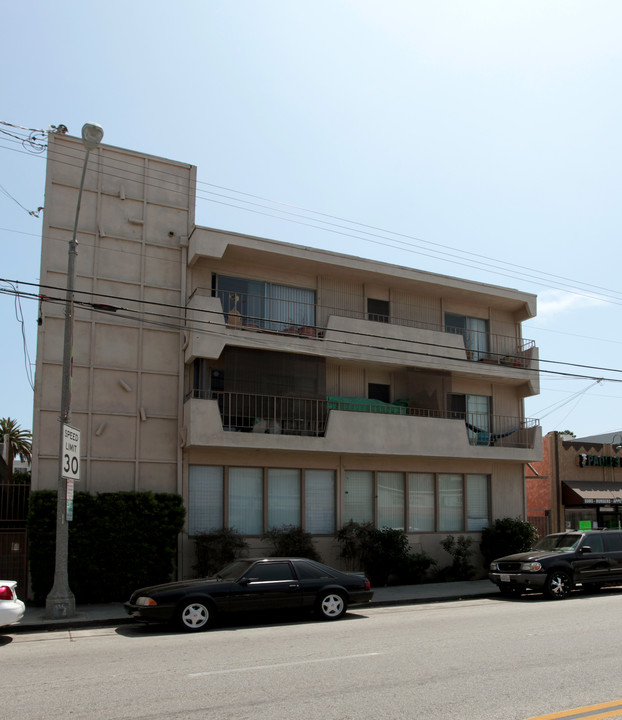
{"x":557,"y":487}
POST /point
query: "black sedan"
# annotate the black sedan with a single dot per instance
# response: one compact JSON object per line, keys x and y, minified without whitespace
{"x":251,"y":585}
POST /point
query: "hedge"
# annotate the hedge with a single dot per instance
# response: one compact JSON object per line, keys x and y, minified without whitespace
{"x":118,"y":542}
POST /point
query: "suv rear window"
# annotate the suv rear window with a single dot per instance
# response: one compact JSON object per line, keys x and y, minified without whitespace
{"x":613,"y":542}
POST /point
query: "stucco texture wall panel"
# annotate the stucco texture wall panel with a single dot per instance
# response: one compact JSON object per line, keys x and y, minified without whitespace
{"x":48,"y":474}
{"x":159,"y":394}
{"x":119,"y":260}
{"x":161,"y":221}
{"x":160,"y":350}
{"x":116,"y":216}
{"x":110,"y":393}
{"x":106,"y":476}
{"x":158,"y":439}
{"x":168,"y":184}
{"x":49,"y":432}
{"x":116,"y":346}
{"x":117,"y":441}
{"x":507,"y":492}
{"x":162,"y":267}
{"x":157,"y":477}
{"x":62,"y":212}
{"x":123,"y":173}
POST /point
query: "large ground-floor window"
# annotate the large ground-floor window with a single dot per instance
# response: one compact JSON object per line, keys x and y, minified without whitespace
{"x":421,"y":502}
{"x":253,"y":500}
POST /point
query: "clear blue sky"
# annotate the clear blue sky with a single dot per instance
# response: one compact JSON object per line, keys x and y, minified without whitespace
{"x":485,"y":134}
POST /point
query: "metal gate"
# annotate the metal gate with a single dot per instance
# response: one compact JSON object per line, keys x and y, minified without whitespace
{"x":13,"y":539}
{"x":541,"y":521}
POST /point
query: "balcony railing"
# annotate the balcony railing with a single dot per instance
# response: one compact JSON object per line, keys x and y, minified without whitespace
{"x":286,"y":316}
{"x":244,"y":412}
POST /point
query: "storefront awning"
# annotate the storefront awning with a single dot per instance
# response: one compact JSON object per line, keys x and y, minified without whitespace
{"x":583,"y":492}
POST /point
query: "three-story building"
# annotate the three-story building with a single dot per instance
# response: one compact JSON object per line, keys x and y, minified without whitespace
{"x":274,"y":384}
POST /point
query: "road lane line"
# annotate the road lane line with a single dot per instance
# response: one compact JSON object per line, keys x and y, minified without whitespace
{"x":281,"y":665}
{"x":589,"y":712}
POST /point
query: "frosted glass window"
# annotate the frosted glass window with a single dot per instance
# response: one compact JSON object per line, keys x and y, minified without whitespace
{"x":451,"y":503}
{"x":283,"y":497}
{"x":391,"y":500}
{"x":205,"y":498}
{"x":320,"y":502}
{"x":246,"y":500}
{"x":477,"y":502}
{"x":359,"y":489}
{"x":421,"y":505}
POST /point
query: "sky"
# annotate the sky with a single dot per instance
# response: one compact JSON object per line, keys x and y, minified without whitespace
{"x":475,"y":139}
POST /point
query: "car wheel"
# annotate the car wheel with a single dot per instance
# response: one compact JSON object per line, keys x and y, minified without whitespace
{"x":194,"y":615}
{"x":331,"y":606}
{"x":558,"y":585}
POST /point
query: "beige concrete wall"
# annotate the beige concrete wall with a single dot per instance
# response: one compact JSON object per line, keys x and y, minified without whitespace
{"x":136,"y":214}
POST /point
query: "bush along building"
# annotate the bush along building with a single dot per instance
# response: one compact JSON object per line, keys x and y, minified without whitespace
{"x":273,"y":384}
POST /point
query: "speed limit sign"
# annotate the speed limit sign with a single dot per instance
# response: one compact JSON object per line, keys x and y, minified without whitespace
{"x":71,"y":453}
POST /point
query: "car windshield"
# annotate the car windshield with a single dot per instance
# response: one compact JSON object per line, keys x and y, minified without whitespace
{"x":565,"y":542}
{"x":234,"y":570}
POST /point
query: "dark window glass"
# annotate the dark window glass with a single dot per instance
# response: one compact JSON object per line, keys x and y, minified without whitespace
{"x":376,"y":391}
{"x":306,"y":571}
{"x":378,"y":310}
{"x":613,"y":542}
{"x":266,"y":572}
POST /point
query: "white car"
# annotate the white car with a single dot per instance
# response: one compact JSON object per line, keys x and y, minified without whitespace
{"x":11,"y":609}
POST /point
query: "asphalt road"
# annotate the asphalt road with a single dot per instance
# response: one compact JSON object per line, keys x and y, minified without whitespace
{"x":479,"y":659}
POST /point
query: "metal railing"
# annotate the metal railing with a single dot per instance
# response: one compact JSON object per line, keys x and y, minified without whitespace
{"x":252,"y":312}
{"x":245,"y":412}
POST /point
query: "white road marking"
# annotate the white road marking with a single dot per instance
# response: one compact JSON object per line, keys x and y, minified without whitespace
{"x":280,"y":665}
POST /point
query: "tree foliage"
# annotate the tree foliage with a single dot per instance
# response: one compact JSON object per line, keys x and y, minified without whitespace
{"x":20,"y":442}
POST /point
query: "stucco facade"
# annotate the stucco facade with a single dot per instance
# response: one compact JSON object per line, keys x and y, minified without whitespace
{"x":269,"y":382}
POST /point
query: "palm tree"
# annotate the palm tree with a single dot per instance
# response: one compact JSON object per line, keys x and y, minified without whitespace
{"x":19,"y":442}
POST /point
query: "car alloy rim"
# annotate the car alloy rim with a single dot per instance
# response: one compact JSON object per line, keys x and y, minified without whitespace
{"x":195,"y":615}
{"x":332,"y":605}
{"x":558,"y":585}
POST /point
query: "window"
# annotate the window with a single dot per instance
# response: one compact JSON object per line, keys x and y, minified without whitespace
{"x":246,"y":500}
{"x":378,"y":310}
{"x":391,"y":500}
{"x":205,"y":495}
{"x":475,"y":409}
{"x":359,"y":490}
{"x":258,"y":304}
{"x":320,"y":502}
{"x":283,"y":497}
{"x":421,"y":502}
{"x":270,"y":572}
{"x":477,"y":502}
{"x":377,"y":391}
{"x":450,"y":503}
{"x":474,"y":332}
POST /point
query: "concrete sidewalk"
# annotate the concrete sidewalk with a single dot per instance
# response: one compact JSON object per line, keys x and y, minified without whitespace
{"x":114,"y":613}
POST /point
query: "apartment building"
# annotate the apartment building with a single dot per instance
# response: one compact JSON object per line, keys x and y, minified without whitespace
{"x":269,"y":383}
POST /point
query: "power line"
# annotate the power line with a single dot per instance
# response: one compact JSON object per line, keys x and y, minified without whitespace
{"x":179,"y":323}
{"x":523,"y":273}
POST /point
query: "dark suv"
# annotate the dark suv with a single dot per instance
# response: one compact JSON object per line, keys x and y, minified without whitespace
{"x":558,"y":562}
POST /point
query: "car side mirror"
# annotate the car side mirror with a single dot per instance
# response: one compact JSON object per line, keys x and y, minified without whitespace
{"x":586,"y":549}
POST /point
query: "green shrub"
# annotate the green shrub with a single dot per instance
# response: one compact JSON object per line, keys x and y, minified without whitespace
{"x":507,"y":536}
{"x":383,"y":554}
{"x":217,"y":548}
{"x":461,"y":567}
{"x":291,"y":541}
{"x":118,"y":542}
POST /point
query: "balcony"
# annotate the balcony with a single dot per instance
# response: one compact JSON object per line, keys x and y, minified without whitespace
{"x":352,"y":425}
{"x":296,"y":319}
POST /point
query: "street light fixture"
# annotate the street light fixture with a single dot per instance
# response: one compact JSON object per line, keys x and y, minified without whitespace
{"x":617,"y":446}
{"x":61,"y":602}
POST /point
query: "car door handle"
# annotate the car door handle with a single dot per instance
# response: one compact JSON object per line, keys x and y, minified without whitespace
{"x":294,"y":585}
